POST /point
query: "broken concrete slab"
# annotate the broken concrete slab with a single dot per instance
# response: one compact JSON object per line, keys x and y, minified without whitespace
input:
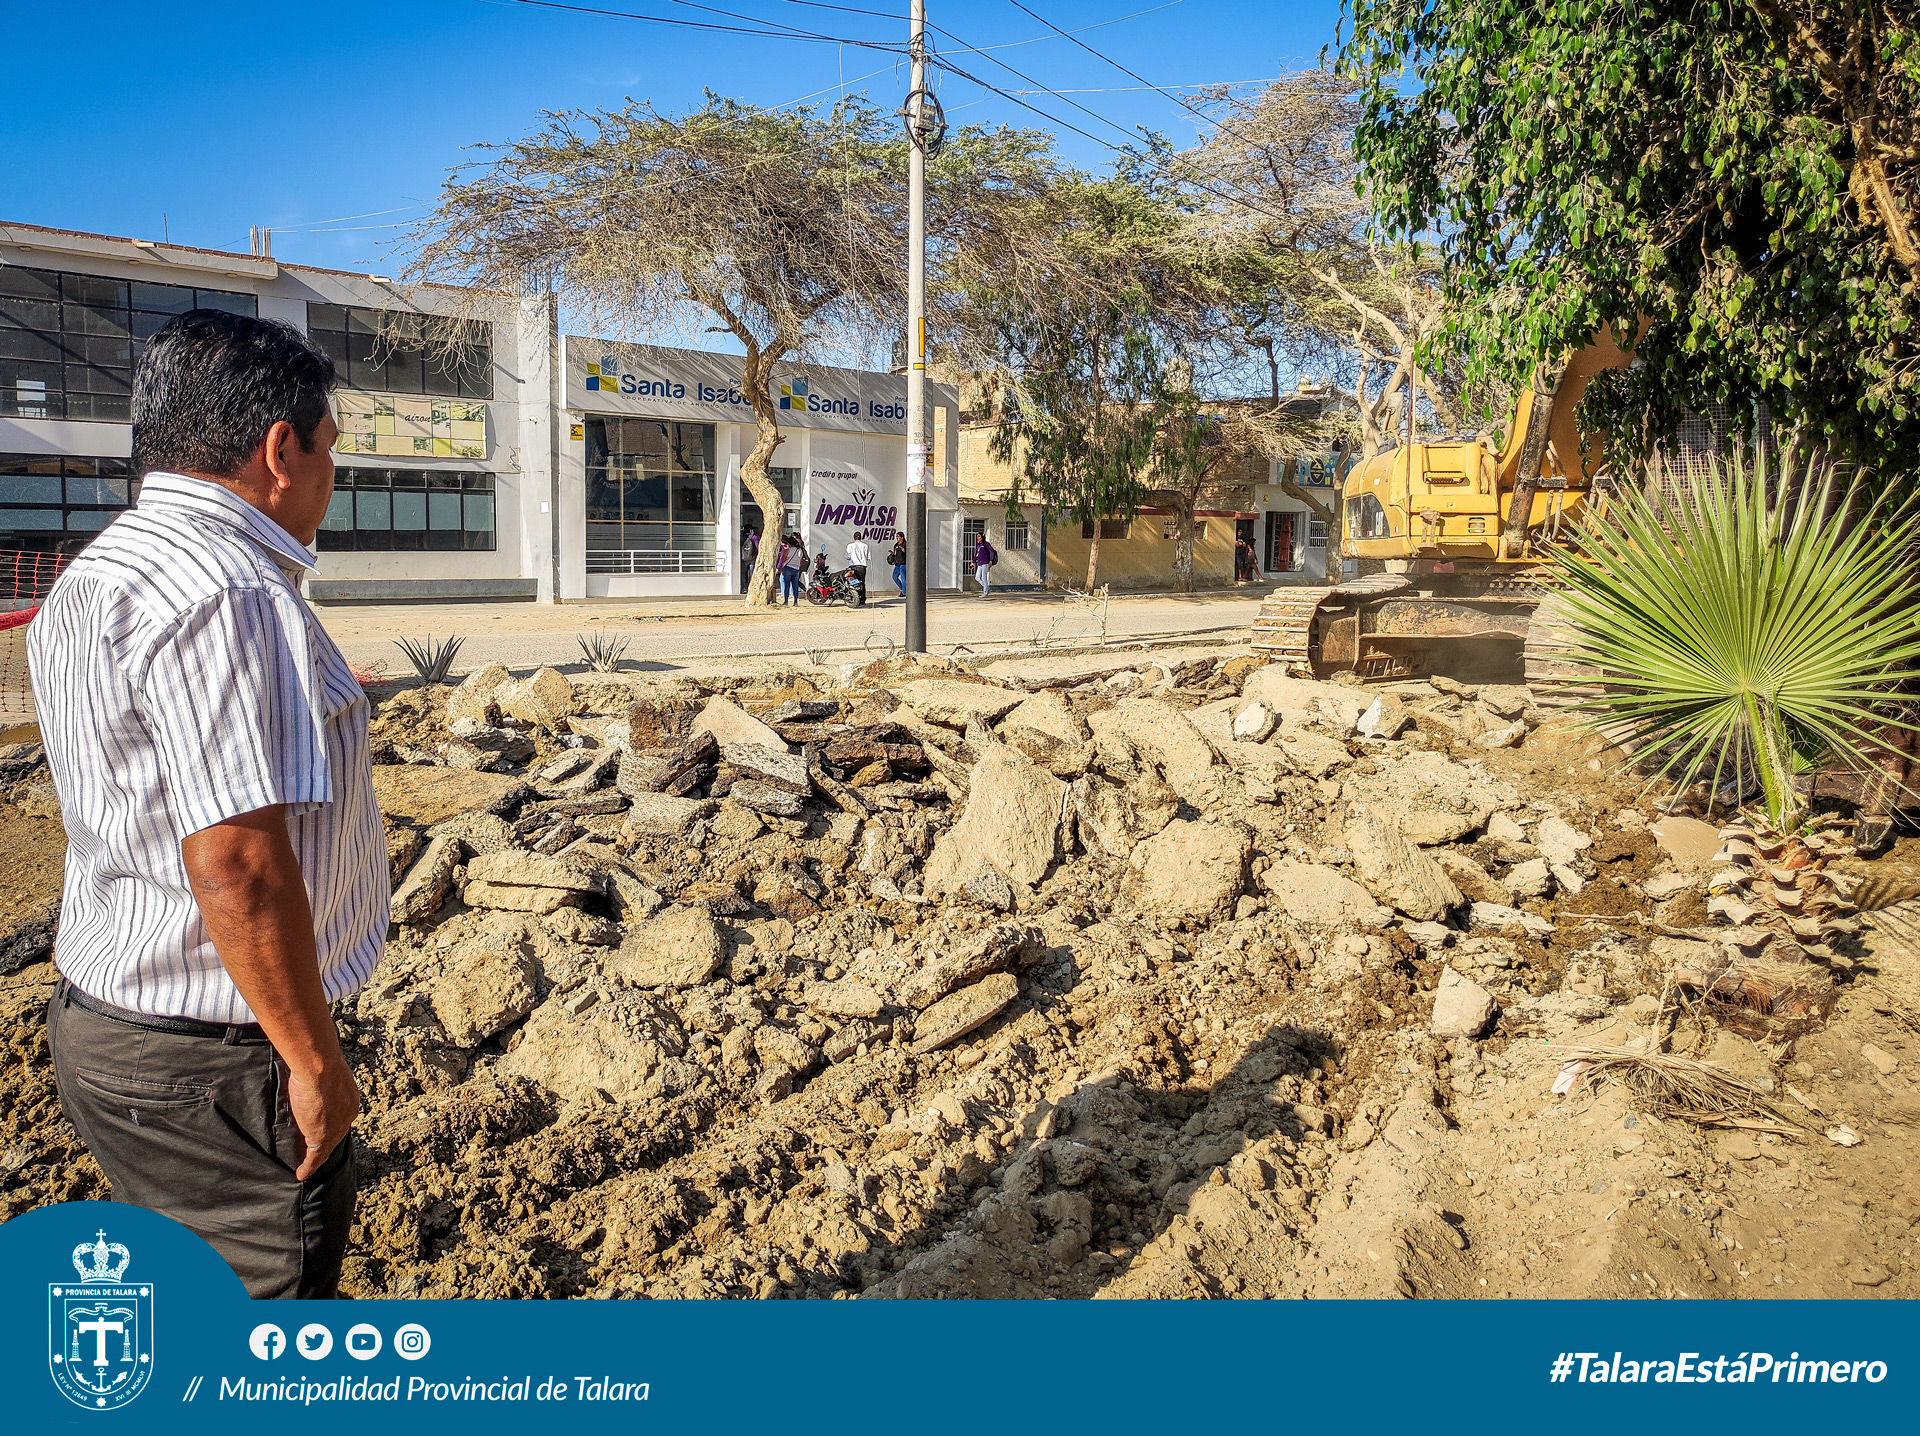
{"x":487,"y":986}
{"x":680,"y":948}
{"x":1112,"y":818}
{"x":730,"y":723}
{"x":473,"y":699}
{"x":775,"y":767}
{"x":1011,"y":825}
{"x":1163,"y":733}
{"x":1190,"y":870}
{"x":427,"y":882}
{"x":959,"y":1013}
{"x":1317,"y":894}
{"x":658,"y":815}
{"x":427,"y":796}
{"x":545,"y":700}
{"x":1461,"y":1007}
{"x":1689,"y":842}
{"x":1394,"y":870}
{"x":506,"y":897}
{"x":523,"y":869}
{"x":953,"y":703}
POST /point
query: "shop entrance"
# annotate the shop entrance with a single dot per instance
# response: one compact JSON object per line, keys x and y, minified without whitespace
{"x":1279,"y":547}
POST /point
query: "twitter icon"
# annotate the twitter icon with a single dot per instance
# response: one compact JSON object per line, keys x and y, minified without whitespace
{"x":314,"y":1341}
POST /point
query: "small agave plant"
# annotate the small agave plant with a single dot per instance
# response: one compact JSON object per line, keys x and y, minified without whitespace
{"x":1751,"y":632}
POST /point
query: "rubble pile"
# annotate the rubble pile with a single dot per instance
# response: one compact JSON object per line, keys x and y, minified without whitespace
{"x":1186,"y":977}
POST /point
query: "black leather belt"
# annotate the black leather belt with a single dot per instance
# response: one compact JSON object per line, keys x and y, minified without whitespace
{"x":228,"y":1032}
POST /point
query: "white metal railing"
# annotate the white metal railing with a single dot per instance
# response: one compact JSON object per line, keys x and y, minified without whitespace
{"x":654,"y":560}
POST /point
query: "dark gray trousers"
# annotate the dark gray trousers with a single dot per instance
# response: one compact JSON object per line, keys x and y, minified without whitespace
{"x":198,"y":1129}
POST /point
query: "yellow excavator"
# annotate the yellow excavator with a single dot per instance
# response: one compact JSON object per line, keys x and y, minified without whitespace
{"x":1447,"y":537}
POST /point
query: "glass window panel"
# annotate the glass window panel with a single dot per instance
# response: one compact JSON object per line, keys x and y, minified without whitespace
{"x":694,"y":538}
{"x":443,"y":511}
{"x":224,"y":299}
{"x":41,"y":314}
{"x":26,"y":344}
{"x":445,"y":540}
{"x":646,"y":498}
{"x":101,"y":408}
{"x":164,"y":299}
{"x":409,"y":540}
{"x":88,"y":521}
{"x":95,"y":319}
{"x":29,"y":283}
{"x":409,"y":510}
{"x":29,"y":519}
{"x":404,"y":370}
{"x":145,"y":326}
{"x":475,"y":374}
{"x":92,"y":379}
{"x":788,"y":482}
{"x":363,"y":321}
{"x":477,"y":540}
{"x":31,"y":464}
{"x":441,"y":376}
{"x":339,"y":517}
{"x":693,"y":448}
{"x":646,"y":438}
{"x":107,"y":468}
{"x":334,"y":346}
{"x":373,"y":540}
{"x":478,"y":512}
{"x":91,"y":289}
{"x":372,"y":511}
{"x":596,"y":436}
{"x":96,"y":491}
{"x":478,"y":483}
{"x":29,"y":489}
{"x":370,"y":478}
{"x":333,"y":540}
{"x":327,"y":316}
{"x":693,"y":499}
{"x":365,"y":365}
{"x":117,"y":353}
{"x":648,"y":536}
{"x":602,"y":537}
{"x":439,"y":480}
{"x":409,"y":479}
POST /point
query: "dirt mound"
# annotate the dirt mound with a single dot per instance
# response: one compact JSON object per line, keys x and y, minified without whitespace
{"x":924,"y":986}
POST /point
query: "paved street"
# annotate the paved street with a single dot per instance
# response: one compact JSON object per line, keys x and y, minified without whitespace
{"x":528,"y":635}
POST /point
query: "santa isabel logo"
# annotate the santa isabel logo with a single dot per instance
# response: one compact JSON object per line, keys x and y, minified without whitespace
{"x":100,"y":1332}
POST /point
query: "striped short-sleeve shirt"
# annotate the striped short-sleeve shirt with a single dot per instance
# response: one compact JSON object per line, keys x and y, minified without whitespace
{"x":182,"y":680}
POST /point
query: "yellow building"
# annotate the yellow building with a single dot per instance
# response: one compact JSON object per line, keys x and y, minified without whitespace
{"x":1134,"y":553}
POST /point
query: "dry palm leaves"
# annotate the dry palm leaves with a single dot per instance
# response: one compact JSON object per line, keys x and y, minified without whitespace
{"x":1679,"y":1087}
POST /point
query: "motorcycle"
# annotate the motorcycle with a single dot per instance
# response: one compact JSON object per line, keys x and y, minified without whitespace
{"x":841,"y":587}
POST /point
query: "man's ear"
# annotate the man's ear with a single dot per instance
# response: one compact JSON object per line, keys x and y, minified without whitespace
{"x":274,"y":450}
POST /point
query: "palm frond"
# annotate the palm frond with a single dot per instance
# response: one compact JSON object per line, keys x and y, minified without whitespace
{"x":432,"y":661}
{"x":1757,"y":623}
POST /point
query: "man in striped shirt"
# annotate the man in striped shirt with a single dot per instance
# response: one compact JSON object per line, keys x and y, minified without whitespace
{"x":226,"y":875}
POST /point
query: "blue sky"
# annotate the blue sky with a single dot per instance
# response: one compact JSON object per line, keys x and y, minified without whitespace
{"x":335,"y":124}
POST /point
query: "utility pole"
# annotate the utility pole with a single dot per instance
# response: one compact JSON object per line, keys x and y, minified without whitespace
{"x":917,"y":445}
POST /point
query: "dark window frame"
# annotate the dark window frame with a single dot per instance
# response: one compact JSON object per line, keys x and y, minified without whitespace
{"x":67,"y":471}
{"x":473,"y":492}
{"x":97,"y":327}
{"x":379,"y":351}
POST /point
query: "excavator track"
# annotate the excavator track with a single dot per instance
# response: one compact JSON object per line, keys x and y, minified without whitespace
{"x":1285,"y":624}
{"x":1555,"y":682}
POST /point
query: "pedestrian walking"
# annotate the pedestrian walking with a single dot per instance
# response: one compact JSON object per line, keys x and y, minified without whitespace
{"x":858,"y":557}
{"x":984,"y":558}
{"x":792,"y":555}
{"x":749,"y":555}
{"x":226,"y":878}
{"x":897,"y":556}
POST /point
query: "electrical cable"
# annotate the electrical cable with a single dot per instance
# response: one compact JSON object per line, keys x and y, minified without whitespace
{"x":783,"y":33}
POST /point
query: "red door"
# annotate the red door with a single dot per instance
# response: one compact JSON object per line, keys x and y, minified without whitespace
{"x":1279,"y":554}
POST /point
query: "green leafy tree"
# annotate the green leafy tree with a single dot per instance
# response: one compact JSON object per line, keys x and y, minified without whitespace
{"x":1739,"y":175}
{"x":1077,"y":426}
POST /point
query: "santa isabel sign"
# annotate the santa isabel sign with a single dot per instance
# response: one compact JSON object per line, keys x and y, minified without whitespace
{"x":646,"y":381}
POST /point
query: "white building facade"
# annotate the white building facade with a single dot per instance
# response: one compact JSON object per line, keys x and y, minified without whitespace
{"x":513,"y":466}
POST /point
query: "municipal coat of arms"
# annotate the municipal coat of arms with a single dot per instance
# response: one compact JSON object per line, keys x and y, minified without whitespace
{"x":100,"y":1329}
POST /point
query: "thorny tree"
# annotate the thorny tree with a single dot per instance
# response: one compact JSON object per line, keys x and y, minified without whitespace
{"x":786,"y":227}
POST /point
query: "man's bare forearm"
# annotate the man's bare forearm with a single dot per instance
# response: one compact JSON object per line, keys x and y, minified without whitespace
{"x":253,"y":901}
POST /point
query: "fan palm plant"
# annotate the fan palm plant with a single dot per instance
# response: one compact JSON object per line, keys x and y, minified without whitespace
{"x":1755,"y":626}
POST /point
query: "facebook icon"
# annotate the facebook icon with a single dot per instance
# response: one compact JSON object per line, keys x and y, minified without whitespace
{"x":267,"y":1341}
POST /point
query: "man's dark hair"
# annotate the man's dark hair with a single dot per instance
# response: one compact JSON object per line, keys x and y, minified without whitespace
{"x":211,"y":384}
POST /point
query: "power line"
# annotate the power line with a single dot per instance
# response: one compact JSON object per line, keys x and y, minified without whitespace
{"x":764,"y":32}
{"x":1008,"y":45}
{"x":1132,"y":74}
